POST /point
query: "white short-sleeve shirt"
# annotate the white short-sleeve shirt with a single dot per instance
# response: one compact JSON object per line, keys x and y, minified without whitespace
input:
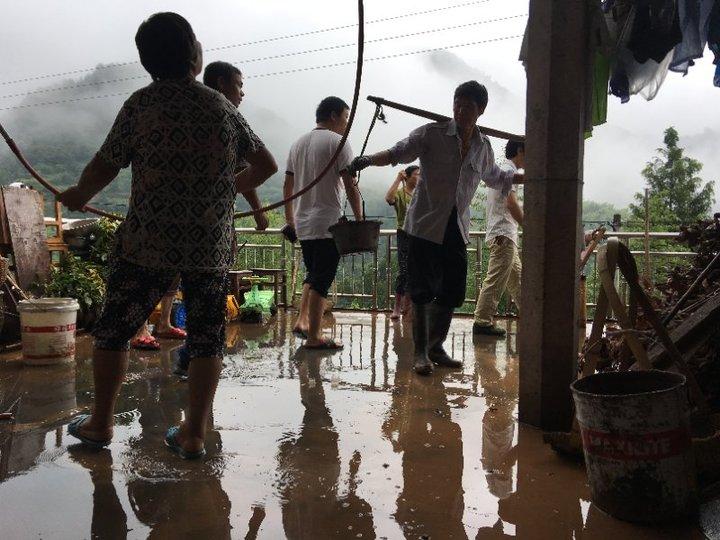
{"x":319,"y":208}
{"x":499,"y":219}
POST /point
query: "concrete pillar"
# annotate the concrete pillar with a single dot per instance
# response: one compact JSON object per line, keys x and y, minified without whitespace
{"x":557,"y":66}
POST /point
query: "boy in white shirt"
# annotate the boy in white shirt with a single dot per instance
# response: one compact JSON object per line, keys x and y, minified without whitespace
{"x":311,"y":214}
{"x":504,"y":214}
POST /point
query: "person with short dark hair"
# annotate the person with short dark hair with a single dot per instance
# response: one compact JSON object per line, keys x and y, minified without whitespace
{"x":454,"y":157}
{"x":228,"y":80}
{"x":311,"y":214}
{"x":399,"y":196}
{"x":183,"y":142}
{"x":503,"y":214}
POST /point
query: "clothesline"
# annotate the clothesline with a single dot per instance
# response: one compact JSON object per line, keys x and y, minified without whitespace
{"x":635,"y":43}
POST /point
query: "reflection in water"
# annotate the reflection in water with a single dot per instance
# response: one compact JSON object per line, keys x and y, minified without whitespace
{"x":39,"y":406}
{"x":108,"y":516}
{"x":497,"y":371}
{"x":419,"y":477}
{"x":197,"y":504}
{"x":309,"y":469}
{"x":419,"y":425}
{"x":499,"y":384}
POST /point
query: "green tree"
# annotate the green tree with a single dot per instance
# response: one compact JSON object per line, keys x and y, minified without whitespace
{"x":600,"y":212}
{"x":677,"y":194}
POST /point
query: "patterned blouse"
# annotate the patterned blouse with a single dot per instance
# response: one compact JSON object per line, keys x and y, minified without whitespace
{"x":183,"y":141}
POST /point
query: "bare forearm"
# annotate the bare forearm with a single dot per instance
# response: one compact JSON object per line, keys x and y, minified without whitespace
{"x":514,"y":208}
{"x":288,"y":188}
{"x":253,"y":177}
{"x":381,"y":159}
{"x":517,"y":214}
{"x":392,"y":192}
{"x":353,"y":195}
{"x":252,"y":198}
{"x":96,"y":176}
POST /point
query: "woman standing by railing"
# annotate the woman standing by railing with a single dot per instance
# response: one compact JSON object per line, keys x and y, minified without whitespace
{"x":399,"y":196}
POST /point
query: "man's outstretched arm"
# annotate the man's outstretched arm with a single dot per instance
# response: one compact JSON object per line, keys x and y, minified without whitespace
{"x":406,"y":151}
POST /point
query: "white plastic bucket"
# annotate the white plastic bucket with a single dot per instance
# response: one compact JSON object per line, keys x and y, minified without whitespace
{"x":48,"y":330}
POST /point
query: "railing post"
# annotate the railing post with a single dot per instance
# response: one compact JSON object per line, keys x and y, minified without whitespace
{"x":283,"y":265}
{"x":622,"y":286}
{"x":293,"y":273}
{"x":375,"y":280}
{"x":388,"y":271}
{"x":478,"y":265}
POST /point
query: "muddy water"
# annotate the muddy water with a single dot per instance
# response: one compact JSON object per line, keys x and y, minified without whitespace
{"x":305,"y":445}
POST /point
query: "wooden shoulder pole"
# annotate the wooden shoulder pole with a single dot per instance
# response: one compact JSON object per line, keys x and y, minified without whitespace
{"x":490,"y":132}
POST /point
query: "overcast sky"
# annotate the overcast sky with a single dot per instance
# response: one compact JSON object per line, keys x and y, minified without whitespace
{"x":51,"y":36}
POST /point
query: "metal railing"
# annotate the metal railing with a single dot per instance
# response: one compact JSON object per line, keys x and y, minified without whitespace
{"x":366,"y":281}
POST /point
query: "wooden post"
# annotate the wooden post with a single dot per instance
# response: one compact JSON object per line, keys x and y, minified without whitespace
{"x":557,"y":67}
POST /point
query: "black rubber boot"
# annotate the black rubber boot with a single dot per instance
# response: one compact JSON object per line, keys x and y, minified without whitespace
{"x":422,"y":365}
{"x":439,"y":326}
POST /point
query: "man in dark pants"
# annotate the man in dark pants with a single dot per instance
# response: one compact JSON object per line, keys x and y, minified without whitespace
{"x":454,"y":157}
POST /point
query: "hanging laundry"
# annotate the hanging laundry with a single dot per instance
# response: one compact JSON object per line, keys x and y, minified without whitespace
{"x":629,"y":76}
{"x":598,"y":101}
{"x":714,"y":40}
{"x":600,"y":49}
{"x":655,"y":31}
{"x":694,"y":24}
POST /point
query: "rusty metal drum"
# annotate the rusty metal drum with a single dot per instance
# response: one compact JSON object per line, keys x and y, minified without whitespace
{"x":635,"y":427}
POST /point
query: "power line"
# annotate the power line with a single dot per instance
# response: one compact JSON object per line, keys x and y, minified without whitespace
{"x":276,"y":56}
{"x":284,"y":72}
{"x":386,"y":57}
{"x":247,"y":43}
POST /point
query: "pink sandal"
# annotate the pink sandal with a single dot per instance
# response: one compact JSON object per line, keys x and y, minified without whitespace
{"x":173,"y":333}
{"x":145,"y":343}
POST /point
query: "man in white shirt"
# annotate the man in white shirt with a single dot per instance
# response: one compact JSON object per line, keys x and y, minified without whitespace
{"x":311,"y":214}
{"x":454,"y":157}
{"x":503,"y":214}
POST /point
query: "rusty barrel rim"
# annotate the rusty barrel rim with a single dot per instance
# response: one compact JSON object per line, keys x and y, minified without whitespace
{"x":655,"y":381}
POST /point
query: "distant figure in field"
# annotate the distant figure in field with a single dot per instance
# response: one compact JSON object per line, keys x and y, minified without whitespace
{"x":399,"y":196}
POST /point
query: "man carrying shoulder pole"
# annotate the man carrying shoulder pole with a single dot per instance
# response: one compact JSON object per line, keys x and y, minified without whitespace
{"x":454,"y":157}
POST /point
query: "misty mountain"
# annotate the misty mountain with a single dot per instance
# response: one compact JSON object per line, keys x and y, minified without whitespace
{"x":453,"y":67}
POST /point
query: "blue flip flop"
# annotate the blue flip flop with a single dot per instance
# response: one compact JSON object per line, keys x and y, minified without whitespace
{"x":74,"y":430}
{"x":172,"y":443}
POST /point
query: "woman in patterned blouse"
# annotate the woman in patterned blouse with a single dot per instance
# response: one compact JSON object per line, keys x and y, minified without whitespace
{"x":183,"y":142}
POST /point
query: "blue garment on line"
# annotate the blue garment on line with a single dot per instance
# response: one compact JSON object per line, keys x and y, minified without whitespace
{"x":695,"y":25}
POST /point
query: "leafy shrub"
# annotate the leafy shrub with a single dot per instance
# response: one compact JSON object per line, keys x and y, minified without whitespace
{"x":79,"y":279}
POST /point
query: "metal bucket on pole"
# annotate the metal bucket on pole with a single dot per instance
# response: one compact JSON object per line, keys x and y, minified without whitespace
{"x":635,"y":427}
{"x":356,"y":236}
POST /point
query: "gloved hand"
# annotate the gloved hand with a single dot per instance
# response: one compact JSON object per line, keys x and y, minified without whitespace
{"x":288,"y":231}
{"x":359,"y":163}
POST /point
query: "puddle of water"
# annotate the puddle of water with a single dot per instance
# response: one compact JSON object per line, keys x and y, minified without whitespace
{"x":304,"y":445}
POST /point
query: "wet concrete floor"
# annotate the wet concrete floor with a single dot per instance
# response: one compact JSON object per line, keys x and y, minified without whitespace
{"x":305,"y":445}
